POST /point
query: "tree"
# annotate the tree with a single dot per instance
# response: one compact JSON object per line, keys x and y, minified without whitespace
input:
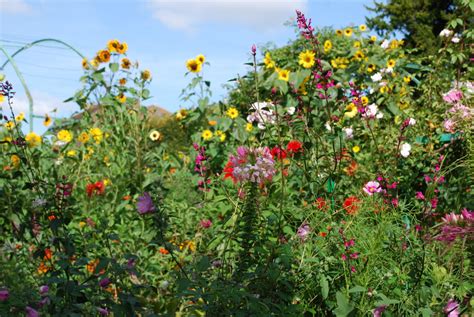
{"x":420,"y":21}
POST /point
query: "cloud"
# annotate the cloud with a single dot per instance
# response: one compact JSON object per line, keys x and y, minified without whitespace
{"x":260,"y":15}
{"x":14,"y":7}
{"x":42,"y":104}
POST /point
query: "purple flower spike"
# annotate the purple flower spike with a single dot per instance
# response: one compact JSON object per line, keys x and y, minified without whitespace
{"x":4,"y":294}
{"x":145,"y":204}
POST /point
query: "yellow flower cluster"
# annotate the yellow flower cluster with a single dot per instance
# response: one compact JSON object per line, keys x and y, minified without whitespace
{"x":195,"y":65}
{"x":340,"y":62}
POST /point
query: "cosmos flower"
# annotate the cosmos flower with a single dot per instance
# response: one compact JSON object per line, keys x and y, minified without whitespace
{"x":372,"y":187}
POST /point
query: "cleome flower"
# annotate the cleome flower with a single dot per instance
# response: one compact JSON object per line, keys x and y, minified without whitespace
{"x":263,"y":113}
{"x":255,"y":165}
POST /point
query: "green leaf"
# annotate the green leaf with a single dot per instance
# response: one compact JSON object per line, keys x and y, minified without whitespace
{"x":323,"y":282}
{"x":357,"y":289}
{"x":114,"y":67}
{"x":344,"y":307}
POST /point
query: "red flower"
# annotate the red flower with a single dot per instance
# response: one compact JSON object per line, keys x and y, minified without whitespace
{"x":229,"y":171}
{"x":90,"y":189}
{"x":98,"y":188}
{"x":351,"y":205}
{"x":278,"y":152}
{"x":294,"y":147}
{"x":320,"y":203}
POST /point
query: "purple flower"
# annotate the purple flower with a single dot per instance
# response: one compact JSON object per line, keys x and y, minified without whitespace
{"x":372,"y":187}
{"x":145,"y":204}
{"x":205,"y":223}
{"x":44,"y":301}
{"x":379,"y":310}
{"x":452,"y":308}
{"x":104,"y":282}
{"x":103,"y":311}
{"x":254,"y":50}
{"x":44,"y":289}
{"x":30,"y":312}
{"x":4,"y":294}
{"x":130,"y":263}
{"x":303,"y":231}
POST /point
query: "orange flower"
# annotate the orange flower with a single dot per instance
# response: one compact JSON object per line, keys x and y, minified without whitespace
{"x":48,"y":254}
{"x":126,"y":197}
{"x":126,"y":63}
{"x":92,"y":265}
{"x":51,"y":217}
{"x":43,"y":268}
{"x":164,"y":251}
{"x":103,"y":56}
{"x":323,"y":234}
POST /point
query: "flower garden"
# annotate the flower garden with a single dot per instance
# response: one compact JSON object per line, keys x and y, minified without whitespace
{"x":334,"y":180}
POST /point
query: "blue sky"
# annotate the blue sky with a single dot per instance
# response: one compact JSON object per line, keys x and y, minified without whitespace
{"x":161,"y":34}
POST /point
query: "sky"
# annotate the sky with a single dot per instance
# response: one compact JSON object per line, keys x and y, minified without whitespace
{"x":161,"y":34}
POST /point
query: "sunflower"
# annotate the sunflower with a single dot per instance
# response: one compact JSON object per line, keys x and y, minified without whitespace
{"x":20,"y":117}
{"x":357,"y":44}
{"x":221,"y":135}
{"x":145,"y":75}
{"x":83,"y":137}
{"x":370,"y":68}
{"x":47,"y":120}
{"x":363,"y":27}
{"x":340,"y":62}
{"x":65,"y":136}
{"x":95,"y":62}
{"x":2,"y":98}
{"x":407,"y":79}
{"x":15,"y":159}
{"x":9,"y":125}
{"x":248,"y":127}
{"x":339,"y":32}
{"x":85,"y":64}
{"x":112,"y":45}
{"x":155,"y":135}
{"x":103,"y":56}
{"x":122,"y":81}
{"x":351,"y":110}
{"x":327,"y":46}
{"x":364,"y":100}
{"x":232,"y":113}
{"x":181,"y":114}
{"x":348,"y":32}
{"x":356,"y":149}
{"x":268,"y":61}
{"x":71,"y":153}
{"x":206,"y":135}
{"x":306,"y":59}
{"x":200,"y":58}
{"x":121,"y":98}
{"x":32,"y":139}
{"x":284,"y":74}
{"x":383,"y":89}
{"x":359,"y":55}
{"x":193,"y":65}
{"x":122,"y":48}
{"x":391,"y":63}
{"x":97,"y":134}
{"x":126,"y":63}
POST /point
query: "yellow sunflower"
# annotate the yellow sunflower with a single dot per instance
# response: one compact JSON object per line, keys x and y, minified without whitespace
{"x":122,"y":48}
{"x":221,"y":135}
{"x":181,"y":114}
{"x":306,"y":59}
{"x":232,"y":113}
{"x":351,"y":110}
{"x":407,"y":79}
{"x":364,"y":100}
{"x":15,"y":159}
{"x":284,"y":74}
{"x":193,"y":65}
{"x":65,"y":136}
{"x":356,"y":149}
{"x":359,"y":55}
{"x":248,"y":127}
{"x":112,"y":45}
{"x":339,"y":32}
{"x":391,"y":63}
{"x":206,"y":135}
{"x":9,"y":125}
{"x":371,"y":68}
{"x":327,"y":46}
{"x":20,"y":117}
{"x":126,"y":63}
{"x":357,"y":44}
{"x":85,"y":64}
{"x":200,"y":58}
{"x":268,"y":61}
{"x":155,"y":135}
{"x":83,"y":137}
{"x":32,"y":139}
{"x":348,"y":32}
{"x":145,"y":75}
{"x":363,"y":27}
{"x":47,"y":120}
{"x":97,"y":134}
{"x":103,"y":56}
{"x":121,"y":98}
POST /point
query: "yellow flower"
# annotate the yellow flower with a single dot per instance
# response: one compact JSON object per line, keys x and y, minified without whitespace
{"x":145,"y":75}
{"x":340,"y":62}
{"x":248,"y":127}
{"x":206,"y":135}
{"x":391,"y":63}
{"x":122,"y":81}
{"x":97,"y":134}
{"x":71,"y":153}
{"x":47,"y":120}
{"x":32,"y":139}
{"x":193,"y":65}
{"x":112,"y":45}
{"x":373,"y":39}
{"x":357,"y":44}
{"x":348,"y":32}
{"x":383,"y":89}
{"x":155,"y":135}
{"x":82,"y":224}
{"x":364,"y":100}
{"x":65,"y":136}
{"x":327,"y":46}
{"x":407,"y":79}
{"x":221,"y":135}
{"x":20,"y":117}
{"x":363,"y":27}
{"x":181,"y":114}
{"x":359,"y":55}
{"x":351,"y":110}
{"x":339,"y":32}
{"x":85,"y":64}
{"x":121,"y":98}
{"x":106,"y":161}
{"x":122,"y":48}
{"x":95,"y":62}
{"x":9,"y":125}
{"x":83,"y":137}
{"x":306,"y":59}
{"x":232,"y":113}
{"x":395,"y":44}
{"x":103,"y":56}
{"x":397,"y":120}
{"x":403,"y":104}
{"x":284,"y":74}
{"x":200,"y":58}
{"x":370,"y":68}
{"x":268,"y":61}
{"x":89,"y":153}
{"x":126,"y":63}
{"x":355,"y":149}
{"x":212,"y":122}
{"x":15,"y":159}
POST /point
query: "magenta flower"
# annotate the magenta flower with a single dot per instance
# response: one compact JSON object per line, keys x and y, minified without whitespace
{"x":103,"y":311}
{"x":145,"y":204}
{"x":378,"y":311}
{"x":303,"y":231}
{"x":30,"y":312}
{"x":372,"y":187}
{"x":104,"y":282}
{"x":452,"y":308}
{"x":4,"y":294}
{"x":44,"y":289}
{"x":420,"y":196}
{"x":205,"y":223}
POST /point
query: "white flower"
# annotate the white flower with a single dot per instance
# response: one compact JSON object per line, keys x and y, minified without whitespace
{"x":328,"y":126}
{"x":349,"y":132}
{"x":389,"y":70}
{"x":445,"y":33}
{"x":411,"y":121}
{"x":385,"y":44}
{"x":405,"y":150}
{"x":455,"y":39}
{"x":291,"y":110}
{"x":379,"y":115}
{"x":262,"y":114}
{"x":376,"y":77}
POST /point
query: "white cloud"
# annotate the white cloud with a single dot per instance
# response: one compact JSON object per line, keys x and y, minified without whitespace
{"x":14,"y":6}
{"x":257,"y":14}
{"x":42,"y":104}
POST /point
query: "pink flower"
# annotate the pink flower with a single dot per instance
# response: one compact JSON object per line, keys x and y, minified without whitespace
{"x":4,"y":294}
{"x":420,"y":196}
{"x":452,"y":218}
{"x":44,"y":289}
{"x":205,"y":223}
{"x":30,"y":312}
{"x":343,"y":257}
{"x":449,"y":125}
{"x":378,"y":311}
{"x":372,"y":187}
{"x":303,"y":231}
{"x":453,"y":96}
{"x":452,"y":308}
